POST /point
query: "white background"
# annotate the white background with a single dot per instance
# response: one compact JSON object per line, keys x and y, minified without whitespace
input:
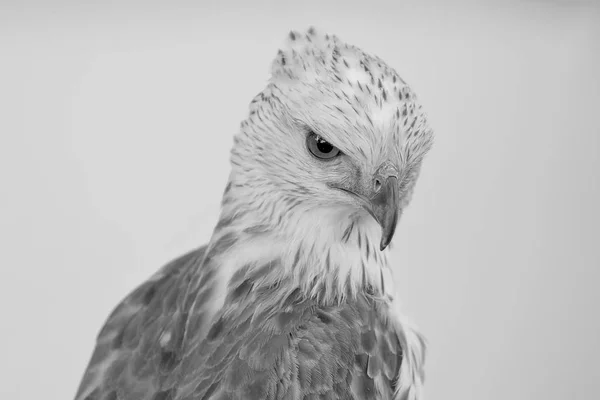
{"x":116,"y":123}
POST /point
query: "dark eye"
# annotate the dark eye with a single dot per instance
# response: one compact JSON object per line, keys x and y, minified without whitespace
{"x":321,"y":148}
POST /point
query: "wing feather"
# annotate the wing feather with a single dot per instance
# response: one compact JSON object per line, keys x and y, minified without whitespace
{"x":126,"y":361}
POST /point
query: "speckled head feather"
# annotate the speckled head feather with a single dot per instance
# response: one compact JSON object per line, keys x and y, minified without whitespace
{"x":293,"y":297}
{"x":360,"y":105}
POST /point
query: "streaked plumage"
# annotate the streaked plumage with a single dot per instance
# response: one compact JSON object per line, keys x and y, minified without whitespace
{"x":293,"y":296}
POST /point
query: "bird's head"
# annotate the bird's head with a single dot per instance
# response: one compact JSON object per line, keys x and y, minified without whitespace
{"x":334,"y":143}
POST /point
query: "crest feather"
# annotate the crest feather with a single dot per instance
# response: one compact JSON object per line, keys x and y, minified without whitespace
{"x":304,"y":53}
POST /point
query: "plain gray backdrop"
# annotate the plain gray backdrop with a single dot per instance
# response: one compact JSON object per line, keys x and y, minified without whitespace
{"x":116,"y":122}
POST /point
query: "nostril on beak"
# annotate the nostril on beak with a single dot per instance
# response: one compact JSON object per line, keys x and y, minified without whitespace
{"x":377,"y":185}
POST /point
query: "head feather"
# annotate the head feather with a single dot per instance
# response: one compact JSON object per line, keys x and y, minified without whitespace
{"x":355,"y":101}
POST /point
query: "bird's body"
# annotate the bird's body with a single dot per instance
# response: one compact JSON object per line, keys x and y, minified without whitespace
{"x":292,"y":298}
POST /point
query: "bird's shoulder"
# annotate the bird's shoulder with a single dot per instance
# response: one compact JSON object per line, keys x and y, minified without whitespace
{"x":127,"y":358}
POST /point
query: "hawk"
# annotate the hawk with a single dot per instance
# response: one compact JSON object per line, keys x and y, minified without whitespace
{"x":293,"y":296}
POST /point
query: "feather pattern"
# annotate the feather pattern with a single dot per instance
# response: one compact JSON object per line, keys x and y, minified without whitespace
{"x":293,"y":296}
{"x":288,"y":347}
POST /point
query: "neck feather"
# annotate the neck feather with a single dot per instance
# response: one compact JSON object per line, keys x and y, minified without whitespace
{"x":326,"y":254}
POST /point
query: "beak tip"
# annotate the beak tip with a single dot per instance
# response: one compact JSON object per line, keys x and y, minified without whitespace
{"x":384,"y":244}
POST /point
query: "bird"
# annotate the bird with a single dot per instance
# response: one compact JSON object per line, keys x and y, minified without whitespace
{"x":293,"y":296}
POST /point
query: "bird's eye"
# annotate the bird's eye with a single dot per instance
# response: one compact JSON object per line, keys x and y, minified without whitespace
{"x":321,"y":148}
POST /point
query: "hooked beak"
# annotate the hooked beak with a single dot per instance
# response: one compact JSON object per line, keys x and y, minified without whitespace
{"x":384,"y":207}
{"x":380,"y":200}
